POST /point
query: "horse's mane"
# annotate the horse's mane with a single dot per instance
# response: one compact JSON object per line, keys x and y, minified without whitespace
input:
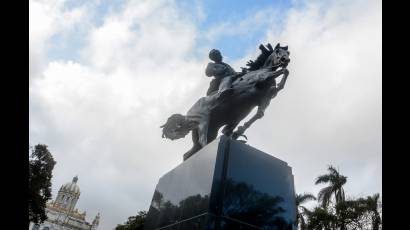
{"x":260,"y":60}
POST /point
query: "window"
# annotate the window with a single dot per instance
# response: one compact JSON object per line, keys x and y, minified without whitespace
{"x":36,"y":227}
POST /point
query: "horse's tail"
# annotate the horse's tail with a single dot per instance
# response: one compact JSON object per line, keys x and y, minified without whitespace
{"x":177,"y":126}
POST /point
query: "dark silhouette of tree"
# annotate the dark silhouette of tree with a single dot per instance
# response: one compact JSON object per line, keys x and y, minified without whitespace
{"x":134,"y":222}
{"x":371,"y":204}
{"x":301,"y":210}
{"x":335,"y":187}
{"x":194,"y":205}
{"x":350,"y":214}
{"x":359,"y":213}
{"x":342,"y":214}
{"x":41,"y":164}
{"x":169,"y":213}
{"x":321,"y":219}
{"x":162,"y":212}
{"x":242,"y":202}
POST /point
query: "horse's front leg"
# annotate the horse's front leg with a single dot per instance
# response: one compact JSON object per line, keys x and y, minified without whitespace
{"x":241,"y":129}
{"x":281,"y":84}
{"x":259,"y":114}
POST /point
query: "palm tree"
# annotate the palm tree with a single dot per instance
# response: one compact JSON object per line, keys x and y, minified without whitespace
{"x":336,"y":182}
{"x":300,"y":199}
{"x":335,"y":187}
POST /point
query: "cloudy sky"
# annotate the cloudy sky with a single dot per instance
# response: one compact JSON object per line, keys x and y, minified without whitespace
{"x":105,"y":74}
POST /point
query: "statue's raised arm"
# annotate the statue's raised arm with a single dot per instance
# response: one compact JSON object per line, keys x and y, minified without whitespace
{"x":226,"y":106}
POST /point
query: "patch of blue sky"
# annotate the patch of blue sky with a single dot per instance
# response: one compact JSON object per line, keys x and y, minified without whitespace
{"x":71,"y":4}
{"x":106,"y":7}
{"x":68,"y":45}
{"x":231,"y":12}
{"x":98,"y":8}
{"x":220,"y":11}
{"x":205,"y":14}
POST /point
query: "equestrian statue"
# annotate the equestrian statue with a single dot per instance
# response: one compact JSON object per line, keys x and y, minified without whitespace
{"x":231,"y":97}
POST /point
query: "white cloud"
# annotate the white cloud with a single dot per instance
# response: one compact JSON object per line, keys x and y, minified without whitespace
{"x":330,"y":110}
{"x":141,"y":37}
{"x":100,"y":115}
{"x":47,"y":18}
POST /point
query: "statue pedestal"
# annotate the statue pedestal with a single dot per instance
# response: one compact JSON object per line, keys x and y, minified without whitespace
{"x":225,"y":185}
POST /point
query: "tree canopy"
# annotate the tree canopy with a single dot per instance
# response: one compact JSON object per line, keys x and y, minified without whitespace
{"x":41,"y":164}
{"x":134,"y":222}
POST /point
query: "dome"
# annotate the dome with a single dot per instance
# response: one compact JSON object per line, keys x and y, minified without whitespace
{"x":71,"y":187}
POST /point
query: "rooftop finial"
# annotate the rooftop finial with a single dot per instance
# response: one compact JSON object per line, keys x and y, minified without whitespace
{"x":75,"y":179}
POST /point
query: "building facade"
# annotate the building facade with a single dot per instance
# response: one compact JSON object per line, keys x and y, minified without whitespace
{"x":62,"y":214}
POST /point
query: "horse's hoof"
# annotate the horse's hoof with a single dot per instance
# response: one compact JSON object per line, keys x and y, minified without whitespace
{"x":187,"y":155}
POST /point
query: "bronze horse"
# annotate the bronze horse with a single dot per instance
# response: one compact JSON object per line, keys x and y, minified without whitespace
{"x":256,"y":86}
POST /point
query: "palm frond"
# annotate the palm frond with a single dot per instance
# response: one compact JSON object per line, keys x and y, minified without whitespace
{"x":302,"y":223}
{"x":323,"y":179}
{"x":324,"y":195}
{"x":301,"y":198}
{"x":333,"y":170}
{"x":305,"y":210}
{"x":376,"y":197}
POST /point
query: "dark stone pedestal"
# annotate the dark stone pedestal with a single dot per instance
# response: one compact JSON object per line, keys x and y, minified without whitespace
{"x":226,"y":185}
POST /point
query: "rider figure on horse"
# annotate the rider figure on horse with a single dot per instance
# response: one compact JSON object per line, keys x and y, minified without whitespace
{"x":222,"y":72}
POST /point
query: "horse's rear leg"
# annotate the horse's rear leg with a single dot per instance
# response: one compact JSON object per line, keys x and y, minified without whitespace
{"x":196,"y":147}
{"x":201,"y":137}
{"x":212,"y":133}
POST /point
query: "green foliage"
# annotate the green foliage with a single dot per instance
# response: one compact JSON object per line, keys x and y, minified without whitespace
{"x":301,"y":211}
{"x":335,"y":187}
{"x":41,"y":164}
{"x":342,"y":214}
{"x":371,"y":206}
{"x":134,"y":222}
{"x":321,"y":219}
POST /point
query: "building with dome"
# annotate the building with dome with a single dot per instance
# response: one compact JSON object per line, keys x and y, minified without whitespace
{"x":62,"y":214}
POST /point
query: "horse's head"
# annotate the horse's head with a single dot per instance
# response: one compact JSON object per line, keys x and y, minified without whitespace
{"x":278,"y":58}
{"x":177,"y":126}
